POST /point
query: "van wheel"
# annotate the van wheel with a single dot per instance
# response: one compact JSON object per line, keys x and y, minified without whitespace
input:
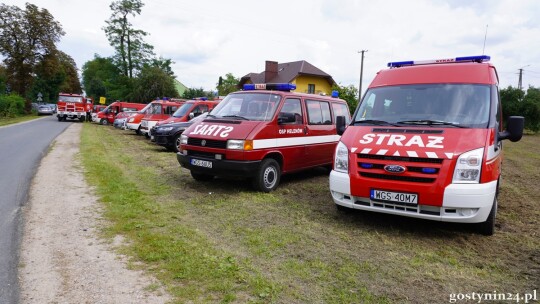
{"x":59,"y":118}
{"x":201,"y":177}
{"x":176,"y":143}
{"x":268,"y":176}
{"x":81,"y":119}
{"x":103,"y":122}
{"x":138,"y":131}
{"x":488,"y":227}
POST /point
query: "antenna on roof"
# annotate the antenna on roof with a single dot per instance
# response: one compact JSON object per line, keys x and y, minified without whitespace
{"x":485,"y":36}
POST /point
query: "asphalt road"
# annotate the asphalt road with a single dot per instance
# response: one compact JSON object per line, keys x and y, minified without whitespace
{"x":21,"y":148}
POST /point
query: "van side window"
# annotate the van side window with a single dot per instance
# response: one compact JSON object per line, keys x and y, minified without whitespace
{"x":341,"y":109}
{"x":292,"y":107}
{"x":318,"y":112}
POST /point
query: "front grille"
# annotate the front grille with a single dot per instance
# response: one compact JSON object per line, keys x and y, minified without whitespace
{"x":203,"y":154}
{"x":401,"y":158}
{"x":414,"y":179}
{"x":210,"y":143}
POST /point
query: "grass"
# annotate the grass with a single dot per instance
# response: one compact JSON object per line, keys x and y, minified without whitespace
{"x":221,"y":241}
{"x":4,"y":121}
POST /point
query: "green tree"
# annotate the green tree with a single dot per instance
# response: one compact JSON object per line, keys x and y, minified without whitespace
{"x":151,"y":83}
{"x":530,"y":109}
{"x":349,"y":94}
{"x":57,"y":72}
{"x":510,"y":100}
{"x":227,"y":85}
{"x":102,"y":78}
{"x":26,"y":37}
{"x":131,"y":50}
{"x":191,"y":93}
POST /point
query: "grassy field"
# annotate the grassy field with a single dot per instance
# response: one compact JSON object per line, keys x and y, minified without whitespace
{"x":4,"y":121}
{"x":221,"y":241}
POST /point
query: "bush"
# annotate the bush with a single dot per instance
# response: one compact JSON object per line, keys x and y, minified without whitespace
{"x":11,"y":105}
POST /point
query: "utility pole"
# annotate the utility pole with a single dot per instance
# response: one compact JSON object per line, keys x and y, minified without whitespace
{"x":520,"y":79}
{"x":361,"y":74}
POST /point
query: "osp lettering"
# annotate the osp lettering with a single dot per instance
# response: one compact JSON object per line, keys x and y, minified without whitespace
{"x":212,"y":130}
{"x":402,"y":140}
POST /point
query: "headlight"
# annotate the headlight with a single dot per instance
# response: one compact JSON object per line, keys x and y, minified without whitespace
{"x":183,"y":139}
{"x":131,"y":119}
{"x":341,"y":159}
{"x":166,"y":129}
{"x":235,"y":144}
{"x":468,"y":167}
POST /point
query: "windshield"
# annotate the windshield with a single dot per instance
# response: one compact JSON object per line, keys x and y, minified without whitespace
{"x":145,"y":109}
{"x":69,"y":98}
{"x":458,"y":105}
{"x":183,"y":110}
{"x":154,"y":108}
{"x":250,"y":106}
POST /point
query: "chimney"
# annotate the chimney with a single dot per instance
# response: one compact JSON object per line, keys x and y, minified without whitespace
{"x":270,"y":71}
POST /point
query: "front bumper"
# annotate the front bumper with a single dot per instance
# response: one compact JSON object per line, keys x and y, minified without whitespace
{"x":232,"y":168}
{"x":462,"y":203}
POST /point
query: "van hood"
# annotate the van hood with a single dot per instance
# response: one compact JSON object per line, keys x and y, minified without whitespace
{"x":222,"y":129}
{"x":425,"y":142}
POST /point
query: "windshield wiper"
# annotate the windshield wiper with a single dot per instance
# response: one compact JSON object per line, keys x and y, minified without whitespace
{"x":430,"y":123}
{"x":236,"y":116}
{"x":210,"y":115}
{"x":375,"y":122}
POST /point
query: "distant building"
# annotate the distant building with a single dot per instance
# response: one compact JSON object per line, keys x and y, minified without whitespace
{"x":307,"y":77}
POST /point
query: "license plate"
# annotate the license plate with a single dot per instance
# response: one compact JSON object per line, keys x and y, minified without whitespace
{"x":396,"y":197}
{"x":201,"y":163}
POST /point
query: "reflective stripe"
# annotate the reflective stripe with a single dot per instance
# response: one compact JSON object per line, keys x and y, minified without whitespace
{"x":294,"y":141}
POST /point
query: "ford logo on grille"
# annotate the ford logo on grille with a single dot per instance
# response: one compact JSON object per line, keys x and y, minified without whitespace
{"x":203,"y":143}
{"x":394,"y":168}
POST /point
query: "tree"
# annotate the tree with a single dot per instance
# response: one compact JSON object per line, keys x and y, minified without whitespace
{"x":516,"y":103}
{"x":151,"y":83}
{"x":57,"y":72}
{"x":131,"y":50}
{"x":349,"y":94}
{"x":192,"y":93}
{"x":102,"y":78}
{"x":227,"y":85}
{"x":26,"y":37}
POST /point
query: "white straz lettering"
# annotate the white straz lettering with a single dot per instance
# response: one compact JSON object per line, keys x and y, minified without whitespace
{"x":402,"y":140}
{"x":212,"y":130}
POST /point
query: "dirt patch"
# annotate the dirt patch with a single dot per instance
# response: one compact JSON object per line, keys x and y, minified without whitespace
{"x":62,"y":258}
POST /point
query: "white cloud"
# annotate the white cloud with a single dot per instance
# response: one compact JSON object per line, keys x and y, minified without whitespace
{"x":208,"y":39}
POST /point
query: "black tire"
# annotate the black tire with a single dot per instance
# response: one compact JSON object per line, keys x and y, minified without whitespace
{"x":138,"y":131}
{"x":59,"y":118}
{"x":176,"y":143}
{"x":268,"y":176}
{"x":201,"y":177}
{"x":81,"y":119}
{"x":103,"y":122}
{"x":488,"y":227}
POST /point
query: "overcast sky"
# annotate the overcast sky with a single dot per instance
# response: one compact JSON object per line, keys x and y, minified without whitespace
{"x":207,"y":39}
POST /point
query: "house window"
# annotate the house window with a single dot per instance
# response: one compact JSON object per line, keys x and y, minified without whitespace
{"x":311,"y":88}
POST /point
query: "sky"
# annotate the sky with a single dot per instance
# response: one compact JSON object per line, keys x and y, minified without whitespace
{"x":207,"y":39}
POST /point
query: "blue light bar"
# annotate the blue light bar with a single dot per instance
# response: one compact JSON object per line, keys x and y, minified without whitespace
{"x":335,"y":94}
{"x":479,"y":58}
{"x":270,"y":86}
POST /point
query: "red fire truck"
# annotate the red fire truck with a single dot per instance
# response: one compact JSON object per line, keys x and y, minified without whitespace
{"x":72,"y":106}
{"x":261,"y":133}
{"x":426,"y":142}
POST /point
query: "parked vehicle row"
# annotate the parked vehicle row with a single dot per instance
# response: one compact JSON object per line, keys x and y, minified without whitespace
{"x":425,"y":141}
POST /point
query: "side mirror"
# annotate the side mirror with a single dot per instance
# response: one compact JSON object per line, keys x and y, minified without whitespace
{"x":514,"y":129}
{"x":191,"y":115}
{"x":340,"y":125}
{"x":285,"y":117}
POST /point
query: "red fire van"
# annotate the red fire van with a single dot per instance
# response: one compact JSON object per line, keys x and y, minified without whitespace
{"x":426,"y":142}
{"x":261,"y":133}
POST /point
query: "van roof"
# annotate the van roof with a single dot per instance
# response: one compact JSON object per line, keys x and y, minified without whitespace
{"x":293,"y":94}
{"x":472,"y":73}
